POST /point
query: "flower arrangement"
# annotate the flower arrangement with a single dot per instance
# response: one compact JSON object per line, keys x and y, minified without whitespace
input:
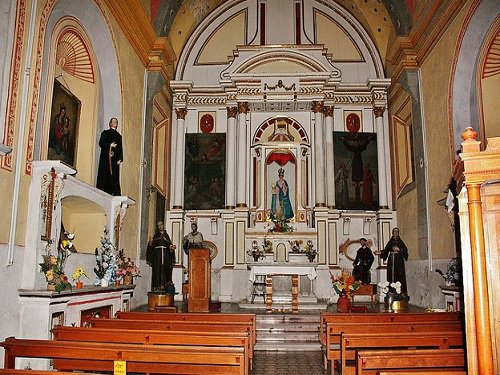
{"x":280,"y":223}
{"x":126,"y":266}
{"x":78,"y":273}
{"x":295,"y":245}
{"x":106,"y":261}
{"x":453,"y":272}
{"x":267,"y":246}
{"x":310,"y":251}
{"x":345,"y":283}
{"x":53,"y":266}
{"x":393,"y":299}
{"x":256,"y":252}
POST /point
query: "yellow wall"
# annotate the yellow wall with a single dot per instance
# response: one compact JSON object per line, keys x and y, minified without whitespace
{"x":436,"y":73}
{"x":131,"y":123}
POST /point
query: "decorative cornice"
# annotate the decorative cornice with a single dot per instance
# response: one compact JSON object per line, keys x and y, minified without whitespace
{"x":161,"y":58}
{"x":352,"y":99}
{"x":135,"y":25}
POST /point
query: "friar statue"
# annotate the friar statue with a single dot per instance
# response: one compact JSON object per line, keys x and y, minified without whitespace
{"x":160,"y":256}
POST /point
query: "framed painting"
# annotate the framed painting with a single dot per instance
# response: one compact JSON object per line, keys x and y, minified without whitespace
{"x":63,"y":133}
{"x":205,"y":171}
{"x":356,"y":170}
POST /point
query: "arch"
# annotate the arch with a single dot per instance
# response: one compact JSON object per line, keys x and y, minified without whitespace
{"x":463,"y":89}
{"x":92,"y":19}
{"x":290,"y":122}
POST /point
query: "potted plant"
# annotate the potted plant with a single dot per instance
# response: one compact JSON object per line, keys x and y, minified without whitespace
{"x":53,"y":266}
{"x":106,"y":259}
{"x":255,"y":252}
{"x":393,"y":298}
{"x":78,"y":273}
{"x":310,"y":251}
{"x":127,"y":269}
{"x":344,"y":285}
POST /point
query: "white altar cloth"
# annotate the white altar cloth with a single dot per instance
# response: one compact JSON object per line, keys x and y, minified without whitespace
{"x":309,"y":271}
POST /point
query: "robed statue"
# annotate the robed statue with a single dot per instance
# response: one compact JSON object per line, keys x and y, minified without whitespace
{"x":160,"y":256}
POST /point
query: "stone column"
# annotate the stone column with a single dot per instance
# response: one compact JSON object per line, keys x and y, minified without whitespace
{"x":330,"y":170}
{"x":179,"y":156}
{"x":319,"y":158}
{"x":231,"y":156}
{"x":241,"y":182}
{"x":382,"y":176}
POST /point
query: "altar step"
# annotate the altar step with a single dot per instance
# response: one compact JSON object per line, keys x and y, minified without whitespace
{"x":287,"y":332}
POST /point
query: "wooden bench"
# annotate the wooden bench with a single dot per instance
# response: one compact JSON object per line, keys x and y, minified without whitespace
{"x":369,"y":362}
{"x":228,"y":339}
{"x":421,"y":372}
{"x":98,"y":356}
{"x":10,"y":371}
{"x":382,"y":317}
{"x":352,"y":342}
{"x":333,"y":337}
{"x":194,"y":317}
{"x":201,"y":326}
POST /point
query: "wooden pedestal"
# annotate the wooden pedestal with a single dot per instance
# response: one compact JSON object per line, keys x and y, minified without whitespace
{"x":159,"y":299}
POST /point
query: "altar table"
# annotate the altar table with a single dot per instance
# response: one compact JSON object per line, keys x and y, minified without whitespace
{"x":273,"y":270}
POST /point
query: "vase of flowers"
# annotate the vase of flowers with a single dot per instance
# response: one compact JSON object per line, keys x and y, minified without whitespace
{"x":53,"y":265}
{"x":256,"y":252}
{"x":106,"y":262}
{"x":310,"y":251}
{"x":127,"y":269}
{"x":344,"y":285}
{"x":393,"y":299}
{"x":77,"y":275}
{"x":279,"y":223}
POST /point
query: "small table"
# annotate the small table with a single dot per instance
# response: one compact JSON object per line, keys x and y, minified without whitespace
{"x":366,"y":290}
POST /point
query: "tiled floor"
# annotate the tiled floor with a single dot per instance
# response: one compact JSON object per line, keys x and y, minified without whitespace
{"x":288,"y":363}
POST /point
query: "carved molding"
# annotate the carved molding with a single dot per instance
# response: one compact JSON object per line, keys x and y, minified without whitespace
{"x":181,"y":113}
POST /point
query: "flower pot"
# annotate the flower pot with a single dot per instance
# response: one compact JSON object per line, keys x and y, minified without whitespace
{"x":256,"y":258}
{"x":104,"y":282}
{"x":79,"y":284}
{"x":51,"y":287}
{"x":128,"y":280}
{"x":343,"y":304}
{"x":118,"y":282}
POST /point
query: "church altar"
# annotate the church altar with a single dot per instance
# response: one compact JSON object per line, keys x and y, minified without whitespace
{"x":286,"y":283}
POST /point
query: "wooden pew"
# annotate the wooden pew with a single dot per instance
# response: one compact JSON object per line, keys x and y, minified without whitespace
{"x":97,"y":356}
{"x":334,"y":332}
{"x":10,"y":371}
{"x":381,"y":317}
{"x":151,"y":337}
{"x":193,"y":317}
{"x":352,"y":342}
{"x":421,"y":372}
{"x":369,"y":362}
{"x":201,"y":326}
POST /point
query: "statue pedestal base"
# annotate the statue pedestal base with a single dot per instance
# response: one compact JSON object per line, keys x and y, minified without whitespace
{"x":159,"y":299}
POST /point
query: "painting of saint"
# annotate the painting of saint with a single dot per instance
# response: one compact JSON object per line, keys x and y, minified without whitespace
{"x":204,"y":171}
{"x":63,"y":130}
{"x":356,"y":169}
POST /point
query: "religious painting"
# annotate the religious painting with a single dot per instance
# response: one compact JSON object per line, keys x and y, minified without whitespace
{"x":280,"y":169}
{"x":356,"y":170}
{"x":63,"y":133}
{"x":205,"y":171}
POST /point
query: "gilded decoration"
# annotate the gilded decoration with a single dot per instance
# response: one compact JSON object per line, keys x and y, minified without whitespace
{"x":243,"y":107}
{"x":379,"y":111}
{"x":181,"y":113}
{"x":317,"y":107}
{"x":279,"y":85}
{"x":232,"y":112}
{"x":329,"y":111}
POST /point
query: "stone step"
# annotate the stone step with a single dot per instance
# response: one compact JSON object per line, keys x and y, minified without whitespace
{"x":287,"y":336}
{"x":290,"y":328}
{"x":289,"y":346}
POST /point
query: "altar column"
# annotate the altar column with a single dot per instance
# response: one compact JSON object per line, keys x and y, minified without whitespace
{"x":330,"y":166}
{"x":230,"y":159}
{"x":179,"y":141}
{"x":319,"y":163}
{"x":382,"y":175}
{"x":242,"y":151}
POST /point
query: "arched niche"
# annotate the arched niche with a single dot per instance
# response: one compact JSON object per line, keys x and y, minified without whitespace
{"x":84,"y":218}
